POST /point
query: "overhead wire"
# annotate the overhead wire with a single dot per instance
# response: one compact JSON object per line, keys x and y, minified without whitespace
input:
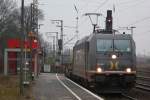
{"x":133,"y":5}
{"x":124,"y":2}
{"x":139,"y":21}
{"x":70,"y":39}
{"x":87,"y":4}
{"x":101,"y":5}
{"x":128,"y":2}
{"x":143,"y":33}
{"x":136,"y":4}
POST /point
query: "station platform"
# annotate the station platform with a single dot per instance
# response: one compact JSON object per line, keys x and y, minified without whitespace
{"x":51,"y":86}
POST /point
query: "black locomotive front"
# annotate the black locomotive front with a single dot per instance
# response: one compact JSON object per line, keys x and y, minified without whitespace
{"x":114,"y":66}
{"x":105,"y":59}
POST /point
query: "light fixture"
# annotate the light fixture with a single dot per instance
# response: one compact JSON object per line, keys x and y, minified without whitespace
{"x":113,"y":56}
{"x":128,"y":70}
{"x":99,"y":70}
{"x":27,"y":63}
{"x":35,"y":40}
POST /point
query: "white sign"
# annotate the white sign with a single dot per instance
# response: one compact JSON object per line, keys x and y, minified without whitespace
{"x":47,"y":68}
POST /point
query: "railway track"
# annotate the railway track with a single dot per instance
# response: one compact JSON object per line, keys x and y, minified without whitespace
{"x":121,"y":96}
{"x":143,"y":71}
{"x":109,"y":96}
{"x":143,"y":86}
{"x":143,"y":81}
{"x":129,"y":97}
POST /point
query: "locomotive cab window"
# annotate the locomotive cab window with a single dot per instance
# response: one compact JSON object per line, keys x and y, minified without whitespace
{"x":113,"y":45}
{"x":122,"y":45}
{"x":104,"y":45}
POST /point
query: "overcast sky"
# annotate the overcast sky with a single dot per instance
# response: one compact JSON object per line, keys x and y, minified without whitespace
{"x":127,"y":13}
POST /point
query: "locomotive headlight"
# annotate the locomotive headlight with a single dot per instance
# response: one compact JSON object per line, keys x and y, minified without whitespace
{"x":27,"y":63}
{"x":128,"y":70}
{"x":99,"y":70}
{"x":113,"y":56}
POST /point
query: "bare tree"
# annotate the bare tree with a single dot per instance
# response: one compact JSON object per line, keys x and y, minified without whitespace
{"x":27,"y":20}
{"x":6,"y":8}
{"x":10,"y":18}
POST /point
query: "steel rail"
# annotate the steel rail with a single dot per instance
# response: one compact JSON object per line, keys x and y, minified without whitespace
{"x":129,"y":97}
{"x":143,"y":71}
{"x":143,"y":77}
{"x":143,"y":86}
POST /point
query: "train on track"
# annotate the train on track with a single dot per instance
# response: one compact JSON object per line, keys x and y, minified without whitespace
{"x":105,"y":60}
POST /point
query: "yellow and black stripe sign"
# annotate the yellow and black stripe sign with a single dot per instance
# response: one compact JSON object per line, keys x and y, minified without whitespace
{"x":114,"y":65}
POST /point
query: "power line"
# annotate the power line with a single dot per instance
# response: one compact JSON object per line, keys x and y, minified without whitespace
{"x":89,"y":2}
{"x":133,"y":5}
{"x":101,"y":5}
{"x":138,"y":21}
{"x":142,"y":25}
{"x":143,"y":33}
{"x":128,"y":2}
{"x":70,"y":39}
{"x":124,"y":2}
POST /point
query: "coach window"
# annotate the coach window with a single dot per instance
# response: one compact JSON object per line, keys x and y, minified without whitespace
{"x":104,"y":45}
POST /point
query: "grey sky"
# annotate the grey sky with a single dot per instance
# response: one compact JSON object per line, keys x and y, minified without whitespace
{"x":127,"y":13}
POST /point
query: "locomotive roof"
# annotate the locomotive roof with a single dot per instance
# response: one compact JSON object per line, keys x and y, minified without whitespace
{"x":82,"y":40}
{"x":104,"y":36}
{"x":113,"y":36}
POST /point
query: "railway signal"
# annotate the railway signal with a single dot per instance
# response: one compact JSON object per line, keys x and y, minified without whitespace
{"x":60,"y":41}
{"x":60,"y":44}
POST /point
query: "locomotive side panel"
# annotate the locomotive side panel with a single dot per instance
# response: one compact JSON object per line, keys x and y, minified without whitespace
{"x":79,"y":60}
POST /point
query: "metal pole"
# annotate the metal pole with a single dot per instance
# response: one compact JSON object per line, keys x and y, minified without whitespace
{"x":54,"y":46}
{"x":77,"y":28}
{"x":132,"y":30}
{"x":61,"y":36}
{"x":77,"y":21}
{"x":55,"y":40}
{"x":62,"y":41}
{"x":35,"y":21}
{"x":56,"y":43}
{"x":22,"y":47}
{"x":31,"y":30}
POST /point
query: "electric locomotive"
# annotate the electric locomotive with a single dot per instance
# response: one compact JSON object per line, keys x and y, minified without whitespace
{"x":105,"y":60}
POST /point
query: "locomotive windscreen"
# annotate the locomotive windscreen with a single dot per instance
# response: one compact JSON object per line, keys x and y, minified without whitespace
{"x":104,"y":45}
{"x":122,"y":45}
